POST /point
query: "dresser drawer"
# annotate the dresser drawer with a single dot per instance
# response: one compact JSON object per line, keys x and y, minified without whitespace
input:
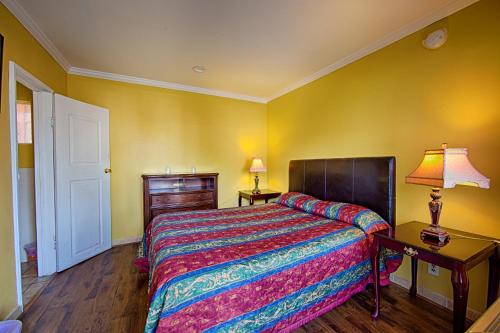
{"x":180,"y":199}
{"x":418,"y":253}
{"x":156,"y":212}
{"x":178,"y":192}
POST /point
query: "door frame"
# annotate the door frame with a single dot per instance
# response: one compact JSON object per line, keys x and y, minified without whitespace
{"x":44,"y":175}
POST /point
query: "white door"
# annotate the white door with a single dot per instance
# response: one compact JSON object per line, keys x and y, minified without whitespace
{"x":45,"y":208}
{"x":82,"y":181}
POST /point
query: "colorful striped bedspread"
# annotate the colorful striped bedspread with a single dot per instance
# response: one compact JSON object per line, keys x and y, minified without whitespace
{"x":262,"y":268}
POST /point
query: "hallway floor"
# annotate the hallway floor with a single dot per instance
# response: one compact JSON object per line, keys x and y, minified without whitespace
{"x":33,"y":285}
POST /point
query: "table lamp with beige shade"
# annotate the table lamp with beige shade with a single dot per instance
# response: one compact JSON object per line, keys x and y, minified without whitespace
{"x":257,"y":167}
{"x":444,"y":168}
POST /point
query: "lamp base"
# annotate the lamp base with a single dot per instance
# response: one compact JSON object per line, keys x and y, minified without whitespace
{"x":256,"y":190}
{"x":435,"y":235}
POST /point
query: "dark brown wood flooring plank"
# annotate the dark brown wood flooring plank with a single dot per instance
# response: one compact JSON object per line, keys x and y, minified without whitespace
{"x":107,"y":294}
{"x":41,"y":304}
{"x":318,"y":326}
{"x":99,"y":295}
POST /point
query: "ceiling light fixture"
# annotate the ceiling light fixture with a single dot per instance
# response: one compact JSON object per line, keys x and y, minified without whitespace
{"x":435,"y":39}
{"x":199,"y":69}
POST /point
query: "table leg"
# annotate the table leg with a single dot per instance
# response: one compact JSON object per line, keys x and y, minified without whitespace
{"x":460,"y":283}
{"x":239,"y":201}
{"x":493,"y":277}
{"x":251,"y":201}
{"x":266,"y":200}
{"x":375,"y":254}
{"x":414,"y":269}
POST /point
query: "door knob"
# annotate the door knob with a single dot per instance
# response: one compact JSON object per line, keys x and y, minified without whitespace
{"x":107,"y":170}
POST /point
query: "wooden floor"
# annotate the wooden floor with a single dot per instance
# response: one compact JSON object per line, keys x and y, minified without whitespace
{"x":32,"y":283}
{"x":108,"y":294}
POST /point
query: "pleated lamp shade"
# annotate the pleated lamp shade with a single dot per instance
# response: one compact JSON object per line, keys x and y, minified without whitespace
{"x":257,"y":165}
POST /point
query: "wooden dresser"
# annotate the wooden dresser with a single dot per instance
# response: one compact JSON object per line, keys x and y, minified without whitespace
{"x":178,"y":192}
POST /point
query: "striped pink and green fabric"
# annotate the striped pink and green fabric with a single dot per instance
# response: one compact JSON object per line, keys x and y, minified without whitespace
{"x":360,"y":216}
{"x":253,"y":269}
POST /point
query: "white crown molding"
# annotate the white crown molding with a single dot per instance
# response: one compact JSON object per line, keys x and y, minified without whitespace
{"x":20,"y":13}
{"x":163,"y":84}
{"x":27,"y":21}
{"x":381,"y":43}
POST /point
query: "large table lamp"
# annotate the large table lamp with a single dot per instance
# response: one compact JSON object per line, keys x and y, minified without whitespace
{"x":444,"y":168}
{"x":256,"y":167}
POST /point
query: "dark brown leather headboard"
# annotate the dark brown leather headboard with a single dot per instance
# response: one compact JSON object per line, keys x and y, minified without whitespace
{"x":365,"y":181}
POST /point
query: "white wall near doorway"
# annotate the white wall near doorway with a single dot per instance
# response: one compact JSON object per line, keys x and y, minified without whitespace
{"x":27,"y":229}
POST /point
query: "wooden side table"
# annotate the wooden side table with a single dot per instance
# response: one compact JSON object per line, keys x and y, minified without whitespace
{"x":459,"y":255}
{"x":263,"y":195}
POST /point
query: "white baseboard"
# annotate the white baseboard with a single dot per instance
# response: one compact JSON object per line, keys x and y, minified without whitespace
{"x":128,"y":240}
{"x":434,"y":296}
{"x":14,"y":314}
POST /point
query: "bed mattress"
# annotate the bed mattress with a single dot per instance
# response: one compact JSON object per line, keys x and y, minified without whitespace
{"x":264,"y":268}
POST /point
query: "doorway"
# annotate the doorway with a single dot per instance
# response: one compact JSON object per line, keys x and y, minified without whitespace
{"x":32,"y":283}
{"x":70,"y":141}
{"x":29,"y":111}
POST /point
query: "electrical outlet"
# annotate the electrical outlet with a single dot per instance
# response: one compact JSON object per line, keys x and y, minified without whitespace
{"x":433,"y":269}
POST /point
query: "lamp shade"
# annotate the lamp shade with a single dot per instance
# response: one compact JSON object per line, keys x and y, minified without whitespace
{"x":446,"y":168}
{"x":257,"y":165}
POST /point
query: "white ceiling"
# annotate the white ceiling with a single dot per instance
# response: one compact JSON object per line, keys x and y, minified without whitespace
{"x":259,"y":48}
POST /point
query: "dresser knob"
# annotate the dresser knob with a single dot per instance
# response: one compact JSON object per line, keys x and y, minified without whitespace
{"x":410,"y":251}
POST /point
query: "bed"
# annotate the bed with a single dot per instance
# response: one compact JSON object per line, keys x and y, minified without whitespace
{"x":273,"y":267}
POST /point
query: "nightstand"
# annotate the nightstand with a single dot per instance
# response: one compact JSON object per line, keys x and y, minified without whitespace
{"x":459,"y":255}
{"x":263,"y":195}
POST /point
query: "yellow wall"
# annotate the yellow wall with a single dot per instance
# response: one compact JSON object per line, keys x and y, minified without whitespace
{"x":152,"y":128}
{"x":399,"y":101}
{"x":25,"y":151}
{"x":20,"y":47}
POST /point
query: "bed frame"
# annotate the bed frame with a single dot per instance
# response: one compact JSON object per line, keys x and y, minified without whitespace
{"x":365,"y":181}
